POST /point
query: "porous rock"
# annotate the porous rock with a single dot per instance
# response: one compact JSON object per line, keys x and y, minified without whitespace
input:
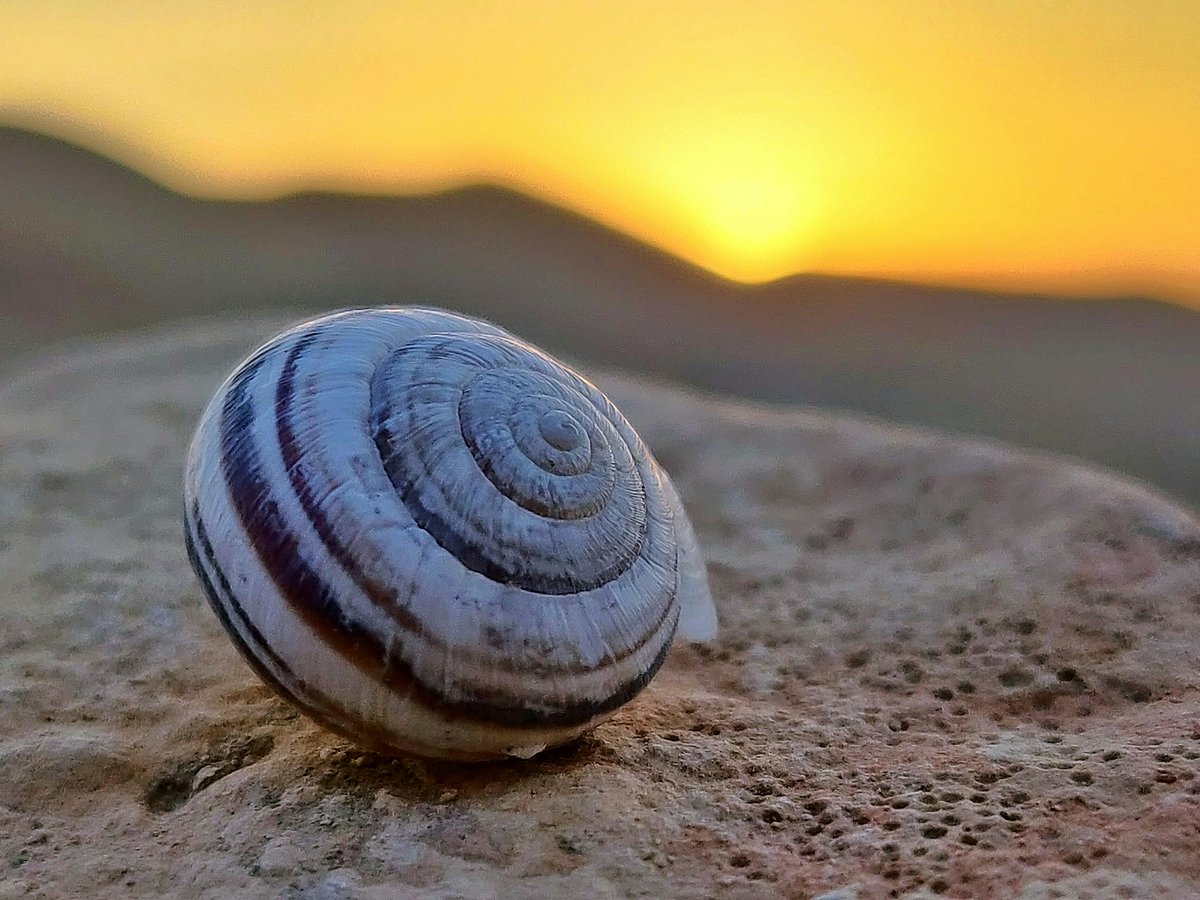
{"x":945,"y":667}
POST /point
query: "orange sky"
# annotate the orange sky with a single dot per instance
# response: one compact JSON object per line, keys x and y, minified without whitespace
{"x":1052,"y":145}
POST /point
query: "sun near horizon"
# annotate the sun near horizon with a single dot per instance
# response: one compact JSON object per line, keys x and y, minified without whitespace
{"x":1009,"y":145}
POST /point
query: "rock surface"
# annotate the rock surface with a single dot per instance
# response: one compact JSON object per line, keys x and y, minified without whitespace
{"x":945,"y":668}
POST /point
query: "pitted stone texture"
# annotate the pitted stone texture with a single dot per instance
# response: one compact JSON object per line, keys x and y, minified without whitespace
{"x":944,"y":668}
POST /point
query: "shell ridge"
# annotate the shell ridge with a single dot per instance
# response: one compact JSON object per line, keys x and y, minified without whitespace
{"x":417,"y":488}
{"x":301,"y":500}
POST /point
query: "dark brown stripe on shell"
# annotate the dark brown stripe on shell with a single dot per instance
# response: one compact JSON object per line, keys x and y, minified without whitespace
{"x":290,"y":449}
{"x":254,"y":647}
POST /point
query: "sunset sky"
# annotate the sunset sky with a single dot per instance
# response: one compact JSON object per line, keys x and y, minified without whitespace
{"x":1048,"y":145}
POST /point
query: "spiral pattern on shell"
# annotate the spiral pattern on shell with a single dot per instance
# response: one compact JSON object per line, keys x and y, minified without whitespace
{"x":433,"y":537}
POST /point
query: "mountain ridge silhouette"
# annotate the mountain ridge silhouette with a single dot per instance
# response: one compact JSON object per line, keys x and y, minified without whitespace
{"x":89,"y":244}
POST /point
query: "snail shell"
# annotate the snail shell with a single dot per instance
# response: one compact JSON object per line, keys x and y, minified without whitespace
{"x":432,"y":537}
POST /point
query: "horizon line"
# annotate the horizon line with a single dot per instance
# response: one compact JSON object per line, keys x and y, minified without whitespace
{"x":122,"y":154}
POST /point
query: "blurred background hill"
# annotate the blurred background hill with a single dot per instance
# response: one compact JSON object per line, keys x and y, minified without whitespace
{"x":87,"y":244}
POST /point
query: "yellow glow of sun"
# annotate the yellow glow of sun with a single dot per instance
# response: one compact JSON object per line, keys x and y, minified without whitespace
{"x":753,"y":221}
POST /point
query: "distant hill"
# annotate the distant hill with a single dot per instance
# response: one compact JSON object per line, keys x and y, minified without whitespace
{"x":95,"y":246}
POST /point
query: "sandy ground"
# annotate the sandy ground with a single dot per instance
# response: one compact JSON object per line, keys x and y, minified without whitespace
{"x":945,"y":668}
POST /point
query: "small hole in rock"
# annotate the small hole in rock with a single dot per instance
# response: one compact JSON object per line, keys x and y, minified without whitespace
{"x":1014,"y":677}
